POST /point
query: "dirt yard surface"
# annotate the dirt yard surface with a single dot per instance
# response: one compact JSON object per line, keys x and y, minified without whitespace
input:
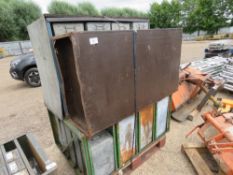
{"x":22,"y":110}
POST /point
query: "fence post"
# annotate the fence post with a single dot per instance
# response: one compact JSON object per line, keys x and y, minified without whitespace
{"x":21,"y":48}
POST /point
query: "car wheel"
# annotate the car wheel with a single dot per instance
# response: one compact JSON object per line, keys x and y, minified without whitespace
{"x":32,"y":77}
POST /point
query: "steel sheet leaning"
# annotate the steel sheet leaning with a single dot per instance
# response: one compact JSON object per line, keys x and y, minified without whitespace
{"x":157,"y":64}
{"x":98,"y":84}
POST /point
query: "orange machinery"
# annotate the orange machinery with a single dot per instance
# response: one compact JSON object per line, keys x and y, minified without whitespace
{"x":217,"y":133}
{"x":217,"y":130}
{"x":219,"y":142}
{"x":191,"y":83}
{"x":190,"y":80}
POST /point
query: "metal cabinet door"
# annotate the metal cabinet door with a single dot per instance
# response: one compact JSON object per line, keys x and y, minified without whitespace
{"x":126,"y":134}
{"x":146,"y":121}
{"x":161,"y":116}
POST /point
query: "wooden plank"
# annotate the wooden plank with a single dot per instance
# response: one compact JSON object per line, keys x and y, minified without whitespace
{"x":193,"y":145}
{"x":197,"y":161}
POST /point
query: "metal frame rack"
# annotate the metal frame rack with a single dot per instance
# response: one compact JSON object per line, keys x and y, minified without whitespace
{"x":76,"y":146}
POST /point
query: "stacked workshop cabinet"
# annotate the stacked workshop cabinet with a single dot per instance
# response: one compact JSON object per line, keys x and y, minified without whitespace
{"x":107,"y":98}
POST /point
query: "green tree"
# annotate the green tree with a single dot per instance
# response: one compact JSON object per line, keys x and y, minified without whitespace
{"x":165,"y":15}
{"x":63,"y":8}
{"x":207,"y":15}
{"x":190,"y":21}
{"x":25,"y":12}
{"x":122,"y":12}
{"x":129,"y":12}
{"x":86,"y":8}
{"x":112,"y":12}
{"x":15,"y":15}
{"x":6,"y":22}
{"x":229,"y":11}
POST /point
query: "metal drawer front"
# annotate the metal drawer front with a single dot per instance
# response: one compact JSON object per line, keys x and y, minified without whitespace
{"x":140,"y":25}
{"x":98,"y":26}
{"x":62,"y":28}
{"x":120,"y":26}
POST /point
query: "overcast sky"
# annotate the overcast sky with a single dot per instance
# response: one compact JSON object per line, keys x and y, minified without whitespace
{"x":142,"y":5}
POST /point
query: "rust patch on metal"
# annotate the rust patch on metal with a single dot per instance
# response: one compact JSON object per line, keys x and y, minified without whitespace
{"x":146,"y":125}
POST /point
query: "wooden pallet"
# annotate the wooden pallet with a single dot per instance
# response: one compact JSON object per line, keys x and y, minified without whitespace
{"x":201,"y":159}
{"x":142,"y":157}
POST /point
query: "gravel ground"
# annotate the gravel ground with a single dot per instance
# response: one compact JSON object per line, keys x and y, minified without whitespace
{"x":22,"y":110}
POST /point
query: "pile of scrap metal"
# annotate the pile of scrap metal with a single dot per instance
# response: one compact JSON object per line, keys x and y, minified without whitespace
{"x":208,"y":76}
{"x":217,"y":133}
{"x":219,"y":68}
{"x":191,"y":83}
{"x":199,"y":81}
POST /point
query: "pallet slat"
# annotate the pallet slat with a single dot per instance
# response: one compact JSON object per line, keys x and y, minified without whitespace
{"x":199,"y":164}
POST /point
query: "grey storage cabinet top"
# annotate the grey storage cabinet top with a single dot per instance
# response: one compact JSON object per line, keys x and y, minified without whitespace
{"x":63,"y":28}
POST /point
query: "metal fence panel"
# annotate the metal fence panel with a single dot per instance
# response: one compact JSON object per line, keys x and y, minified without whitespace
{"x":15,"y":48}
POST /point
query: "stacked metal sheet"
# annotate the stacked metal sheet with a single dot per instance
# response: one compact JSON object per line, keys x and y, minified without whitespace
{"x":227,"y":75}
{"x":212,"y":66}
{"x":219,"y":68}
